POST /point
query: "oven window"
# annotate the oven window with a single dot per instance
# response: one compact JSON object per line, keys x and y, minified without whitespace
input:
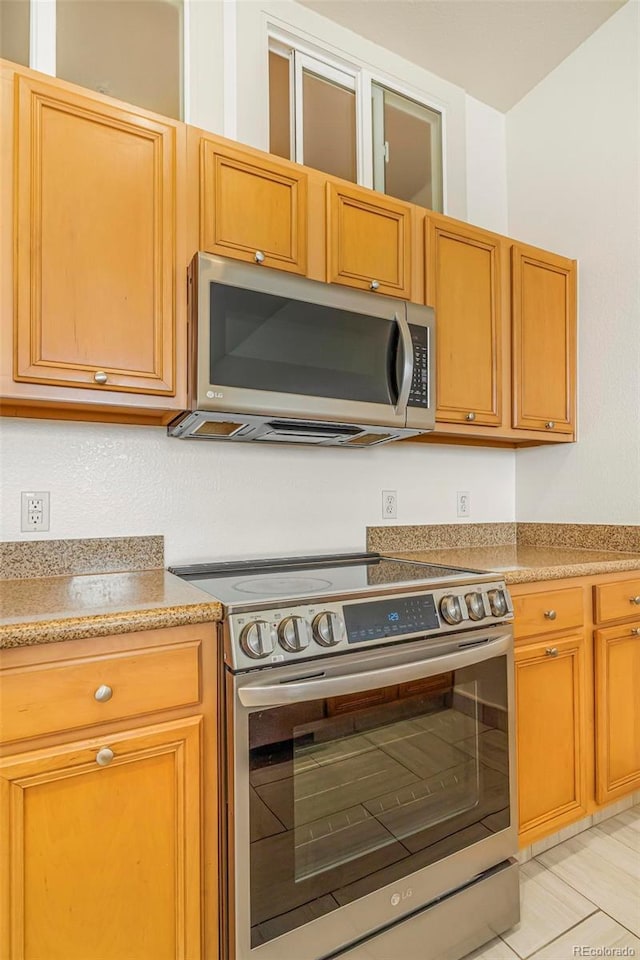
{"x":272,"y":343}
{"x":349,"y":794}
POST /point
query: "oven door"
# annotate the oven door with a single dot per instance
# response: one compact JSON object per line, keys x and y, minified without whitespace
{"x":270,"y":342}
{"x":366,"y":786}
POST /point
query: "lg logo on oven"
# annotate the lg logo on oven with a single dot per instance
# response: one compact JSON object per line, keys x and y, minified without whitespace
{"x":399,"y":897}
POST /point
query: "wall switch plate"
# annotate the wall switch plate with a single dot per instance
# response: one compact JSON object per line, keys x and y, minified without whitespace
{"x":389,"y":504}
{"x":464,"y":503}
{"x":34,"y":511}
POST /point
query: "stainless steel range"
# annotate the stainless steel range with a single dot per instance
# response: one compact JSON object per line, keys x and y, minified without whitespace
{"x":369,"y":706}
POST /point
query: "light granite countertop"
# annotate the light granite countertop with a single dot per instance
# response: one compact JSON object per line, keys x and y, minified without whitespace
{"x":49,"y":609}
{"x":523,"y":563}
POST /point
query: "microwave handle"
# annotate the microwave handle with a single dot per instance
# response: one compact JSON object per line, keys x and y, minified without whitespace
{"x":405,"y":344}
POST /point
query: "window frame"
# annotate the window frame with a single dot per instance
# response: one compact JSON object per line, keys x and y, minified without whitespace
{"x":282,"y":41}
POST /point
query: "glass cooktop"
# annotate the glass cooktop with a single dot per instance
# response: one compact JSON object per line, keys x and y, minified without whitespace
{"x":289,"y":578}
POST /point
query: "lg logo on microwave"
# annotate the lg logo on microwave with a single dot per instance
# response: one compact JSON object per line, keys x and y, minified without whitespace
{"x":399,"y":897}
{"x":213,"y":395}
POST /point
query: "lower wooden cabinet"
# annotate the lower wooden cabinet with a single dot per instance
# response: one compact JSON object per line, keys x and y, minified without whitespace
{"x":551,"y":735}
{"x":101,"y":847}
{"x":617,"y":673}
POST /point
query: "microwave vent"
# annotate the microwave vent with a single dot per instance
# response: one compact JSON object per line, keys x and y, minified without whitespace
{"x":366,"y":439}
{"x":211,"y":428}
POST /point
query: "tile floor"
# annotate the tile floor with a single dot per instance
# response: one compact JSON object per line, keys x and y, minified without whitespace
{"x":582,"y":893}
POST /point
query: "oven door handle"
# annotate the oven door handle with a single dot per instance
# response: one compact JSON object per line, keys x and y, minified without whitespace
{"x":405,"y":350}
{"x":317,"y":687}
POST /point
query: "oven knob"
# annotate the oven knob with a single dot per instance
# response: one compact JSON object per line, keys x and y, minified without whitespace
{"x":497,"y":602}
{"x":451,"y":609}
{"x":328,"y":628}
{"x":258,"y":639}
{"x":475,"y":606}
{"x":294,"y":634}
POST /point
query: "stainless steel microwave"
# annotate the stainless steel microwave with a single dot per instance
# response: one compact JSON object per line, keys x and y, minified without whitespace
{"x":277,"y":357}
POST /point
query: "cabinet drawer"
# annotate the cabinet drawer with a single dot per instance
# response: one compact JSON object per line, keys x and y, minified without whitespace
{"x":50,"y":697}
{"x":617,"y":601}
{"x":548,"y":612}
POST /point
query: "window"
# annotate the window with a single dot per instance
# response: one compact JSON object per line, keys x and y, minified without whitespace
{"x":129,"y":49}
{"x":14,"y":31}
{"x":407,"y":148}
{"x":337,"y":118}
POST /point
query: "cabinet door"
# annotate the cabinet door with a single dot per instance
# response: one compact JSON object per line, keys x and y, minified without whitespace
{"x":544,"y":340}
{"x":465,"y":284}
{"x":104,"y":860}
{"x":252,"y":210}
{"x":369,"y":241}
{"x":617,"y":659}
{"x":551,"y":735}
{"x":96,"y":243}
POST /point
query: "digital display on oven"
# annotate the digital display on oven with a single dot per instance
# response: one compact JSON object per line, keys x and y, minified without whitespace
{"x":378,"y":619}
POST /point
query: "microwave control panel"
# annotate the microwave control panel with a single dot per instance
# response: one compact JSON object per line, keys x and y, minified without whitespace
{"x":419,"y":392}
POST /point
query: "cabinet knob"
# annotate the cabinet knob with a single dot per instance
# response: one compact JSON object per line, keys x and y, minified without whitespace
{"x":551,"y":651}
{"x":635,"y":600}
{"x":259,"y":256}
{"x":374,"y":285}
{"x":635,"y":631}
{"x":104,"y":756}
{"x":550,"y":614}
{"x":470,"y":416}
{"x":100,"y":376}
{"x":550,"y":424}
{"x":103,"y":693}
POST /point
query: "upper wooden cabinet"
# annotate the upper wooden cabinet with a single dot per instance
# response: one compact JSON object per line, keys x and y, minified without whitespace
{"x":368,"y":240}
{"x":252,"y":210}
{"x":96,"y":243}
{"x":544,"y":340}
{"x":466,"y":279}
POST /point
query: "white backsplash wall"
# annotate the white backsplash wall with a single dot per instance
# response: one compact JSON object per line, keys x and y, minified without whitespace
{"x":212,"y":500}
{"x":573,"y":147}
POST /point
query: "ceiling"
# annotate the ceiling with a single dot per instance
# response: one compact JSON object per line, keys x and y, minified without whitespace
{"x":497,"y":50}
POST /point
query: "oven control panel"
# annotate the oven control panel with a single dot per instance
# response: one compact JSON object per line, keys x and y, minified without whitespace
{"x":311,"y":630}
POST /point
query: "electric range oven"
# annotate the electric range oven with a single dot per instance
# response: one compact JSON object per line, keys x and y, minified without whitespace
{"x":371,"y":762}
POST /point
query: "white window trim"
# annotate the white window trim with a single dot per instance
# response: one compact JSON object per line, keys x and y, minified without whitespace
{"x":282,"y":41}
{"x":42,"y":36}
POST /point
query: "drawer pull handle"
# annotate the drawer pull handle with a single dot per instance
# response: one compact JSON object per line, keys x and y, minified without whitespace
{"x":635,"y":600}
{"x":635,"y":631}
{"x":470,"y":416}
{"x":374,"y":284}
{"x":103,"y":693}
{"x":100,"y":376}
{"x":550,"y":424}
{"x":551,"y":651}
{"x":550,"y":614}
{"x":259,"y":256}
{"x":104,"y":756}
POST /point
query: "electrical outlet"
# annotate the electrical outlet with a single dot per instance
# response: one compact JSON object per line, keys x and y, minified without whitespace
{"x":34,"y":511}
{"x":389,"y":504}
{"x":464,"y":503}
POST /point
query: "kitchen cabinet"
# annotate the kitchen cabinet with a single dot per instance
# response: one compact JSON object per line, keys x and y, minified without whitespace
{"x":96,"y":292}
{"x":544,"y":340}
{"x":253,"y":210}
{"x":467,"y":282}
{"x":108,"y":809}
{"x":105,"y":841}
{"x":506,"y":344}
{"x":368,"y":240}
{"x":551,"y":724}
